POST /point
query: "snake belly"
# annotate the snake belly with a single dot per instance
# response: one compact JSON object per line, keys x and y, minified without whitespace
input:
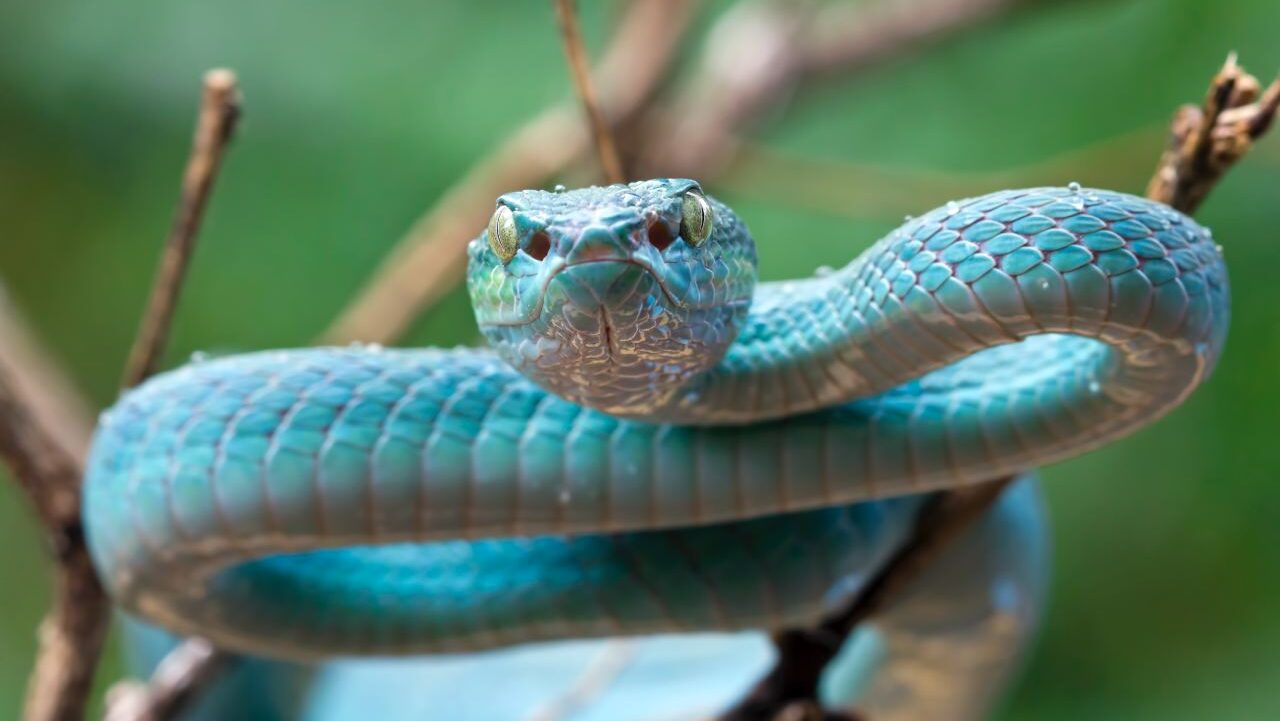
{"x":652,"y":448}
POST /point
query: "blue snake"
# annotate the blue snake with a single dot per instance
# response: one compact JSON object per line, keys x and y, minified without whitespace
{"x":655,"y":459}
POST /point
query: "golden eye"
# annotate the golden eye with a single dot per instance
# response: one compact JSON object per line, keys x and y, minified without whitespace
{"x":696,"y":218}
{"x":502,"y":233}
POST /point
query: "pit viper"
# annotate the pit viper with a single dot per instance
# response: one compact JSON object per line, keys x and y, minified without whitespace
{"x":655,"y":459}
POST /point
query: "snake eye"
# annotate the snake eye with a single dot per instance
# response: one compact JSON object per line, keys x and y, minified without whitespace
{"x":696,"y":218}
{"x":502,"y":233}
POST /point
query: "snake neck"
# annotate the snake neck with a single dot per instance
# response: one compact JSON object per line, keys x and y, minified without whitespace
{"x":1139,"y":286}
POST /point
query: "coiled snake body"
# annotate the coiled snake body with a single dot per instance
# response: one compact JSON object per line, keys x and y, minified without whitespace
{"x":652,"y":448}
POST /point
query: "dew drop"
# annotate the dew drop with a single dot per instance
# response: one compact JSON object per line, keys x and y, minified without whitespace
{"x":1094,"y":387}
{"x":1073,"y":186}
{"x":560,"y":188}
{"x":952,"y":207}
{"x":823,"y":271}
{"x":374,"y":348}
{"x":908,"y":218}
{"x":199,"y":356}
{"x":1218,"y":248}
{"x":1044,"y":284}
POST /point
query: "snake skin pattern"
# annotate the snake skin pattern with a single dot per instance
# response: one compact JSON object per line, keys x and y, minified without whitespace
{"x":653,"y":449}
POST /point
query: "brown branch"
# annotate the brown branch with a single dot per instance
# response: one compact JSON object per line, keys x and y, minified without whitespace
{"x":1201,"y":153}
{"x":43,"y":384}
{"x":757,"y":53}
{"x":760,"y":53}
{"x":178,"y":680}
{"x":804,"y":653}
{"x":219,"y":109}
{"x":431,"y":257}
{"x":576,"y":54}
{"x":1206,"y":140}
{"x":195,"y":663}
{"x":71,"y":634}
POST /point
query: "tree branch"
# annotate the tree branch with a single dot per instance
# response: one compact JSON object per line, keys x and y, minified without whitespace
{"x":71,"y":634}
{"x":761,"y":53}
{"x":758,"y":51}
{"x":804,"y":653}
{"x":177,"y":681}
{"x":1207,"y":141}
{"x":215,"y":125}
{"x":193,"y":664}
{"x":431,"y":257}
{"x":576,"y":55}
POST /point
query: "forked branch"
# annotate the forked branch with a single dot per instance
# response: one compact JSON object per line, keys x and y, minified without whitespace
{"x":1206,"y":140}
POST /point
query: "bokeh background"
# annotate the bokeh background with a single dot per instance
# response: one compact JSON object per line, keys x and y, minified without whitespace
{"x":360,"y":115}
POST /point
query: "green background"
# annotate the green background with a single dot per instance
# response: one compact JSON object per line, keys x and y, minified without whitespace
{"x":361,"y":114}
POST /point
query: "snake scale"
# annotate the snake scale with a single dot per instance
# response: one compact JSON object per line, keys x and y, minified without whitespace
{"x":652,"y":448}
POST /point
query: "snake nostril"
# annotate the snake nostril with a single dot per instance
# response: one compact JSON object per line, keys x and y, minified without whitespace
{"x":660,"y":235}
{"x":539,"y":245}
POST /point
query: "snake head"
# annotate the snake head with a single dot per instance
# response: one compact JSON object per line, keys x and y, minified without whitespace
{"x":612,"y":297}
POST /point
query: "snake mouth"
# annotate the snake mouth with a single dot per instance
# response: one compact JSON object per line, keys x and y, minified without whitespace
{"x":535,"y":312}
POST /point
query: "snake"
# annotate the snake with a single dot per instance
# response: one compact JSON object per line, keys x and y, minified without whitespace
{"x":655,"y":461}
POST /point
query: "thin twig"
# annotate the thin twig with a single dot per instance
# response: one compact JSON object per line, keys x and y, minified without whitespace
{"x":691,"y":138}
{"x":219,"y":109}
{"x":576,"y":54}
{"x":177,"y":681}
{"x":1199,"y":159}
{"x":194,"y":663}
{"x":1206,"y":140}
{"x":600,"y":673}
{"x":429,"y":260}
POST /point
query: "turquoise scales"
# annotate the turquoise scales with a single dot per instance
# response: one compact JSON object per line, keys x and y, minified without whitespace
{"x":728,"y":485}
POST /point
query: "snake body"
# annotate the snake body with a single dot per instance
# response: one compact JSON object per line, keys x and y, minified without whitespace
{"x":654,"y":445}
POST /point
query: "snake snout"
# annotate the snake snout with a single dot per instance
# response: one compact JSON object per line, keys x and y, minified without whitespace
{"x":597,"y":244}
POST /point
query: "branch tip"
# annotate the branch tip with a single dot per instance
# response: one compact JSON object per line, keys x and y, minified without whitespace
{"x":215,"y":125}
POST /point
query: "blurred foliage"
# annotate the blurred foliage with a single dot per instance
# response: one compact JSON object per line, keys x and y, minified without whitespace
{"x":362,"y":114}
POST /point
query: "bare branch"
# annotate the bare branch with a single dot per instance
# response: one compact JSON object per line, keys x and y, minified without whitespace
{"x":804,"y":653}
{"x":760,"y":53}
{"x":179,"y":679}
{"x":576,"y":54}
{"x":70,"y":637}
{"x":431,"y":257}
{"x":1202,"y":154}
{"x":1205,"y":141}
{"x":182,"y":674}
{"x":754,"y":56}
{"x":42,"y":384}
{"x":219,"y":110}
